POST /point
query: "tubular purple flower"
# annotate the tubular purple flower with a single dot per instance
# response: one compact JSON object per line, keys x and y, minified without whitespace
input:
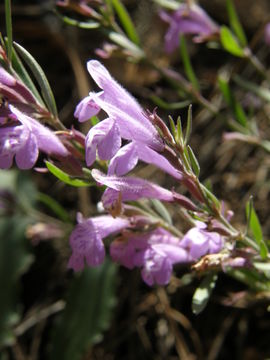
{"x":267,"y":34}
{"x":199,"y":241}
{"x":188,"y":19}
{"x":121,"y":108}
{"x":86,"y":109}
{"x":14,"y":89}
{"x":23,"y":141}
{"x":131,"y":188}
{"x":86,"y":239}
{"x":155,"y":253}
{"x":129,"y":155}
{"x":104,"y":137}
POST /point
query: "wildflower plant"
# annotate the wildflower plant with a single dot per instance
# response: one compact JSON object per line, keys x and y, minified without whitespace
{"x":135,"y":228}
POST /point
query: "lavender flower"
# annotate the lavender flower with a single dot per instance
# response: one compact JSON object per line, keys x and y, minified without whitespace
{"x":86,"y":239}
{"x":198,"y":241}
{"x":131,"y":188}
{"x":129,"y":155}
{"x":24,"y":140}
{"x":14,"y":90}
{"x":267,"y":34}
{"x":125,"y":115}
{"x":155,"y":253}
{"x":188,"y":19}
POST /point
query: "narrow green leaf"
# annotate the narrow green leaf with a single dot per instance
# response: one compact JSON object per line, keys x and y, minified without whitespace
{"x":20,"y":70}
{"x":61,"y":175}
{"x":87,"y":314}
{"x":194,"y":162}
{"x":230,"y":43}
{"x":94,"y":120}
{"x":225,"y":89}
{"x":240,"y":114}
{"x":187,"y":63}
{"x":125,"y":43}
{"x":81,"y":24}
{"x":261,"y":91}
{"x":179,"y":131}
{"x":172,"y":126}
{"x":255,"y":227}
{"x":235,"y":23}
{"x":8,"y":28}
{"x":189,"y":124}
{"x":40,"y":77}
{"x":211,"y":197}
{"x":169,"y":106}
{"x":126,"y":21}
{"x":54,"y":205}
{"x":236,"y":107}
{"x":161,"y":210}
{"x":203,"y":293}
{"x":168,"y":4}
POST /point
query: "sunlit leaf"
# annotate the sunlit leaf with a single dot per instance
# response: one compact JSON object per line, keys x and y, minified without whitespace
{"x":230,"y":43}
{"x":126,"y":21}
{"x":40,"y":77}
{"x":203,"y":293}
{"x":61,"y":175}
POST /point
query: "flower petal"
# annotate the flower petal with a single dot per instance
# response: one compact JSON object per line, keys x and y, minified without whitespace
{"x":27,"y":155}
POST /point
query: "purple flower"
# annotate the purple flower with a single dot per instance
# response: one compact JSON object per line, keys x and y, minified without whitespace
{"x":155,"y":253}
{"x":86,"y":239}
{"x":188,"y":19}
{"x":199,"y":241}
{"x":267,"y":34}
{"x":24,"y":140}
{"x":129,"y":155}
{"x":13,"y":89}
{"x":131,"y":189}
{"x":122,"y":109}
{"x":104,"y":137}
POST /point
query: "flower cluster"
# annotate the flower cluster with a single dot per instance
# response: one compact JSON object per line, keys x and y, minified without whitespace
{"x":21,"y":135}
{"x":142,"y":241}
{"x":190,"y":20}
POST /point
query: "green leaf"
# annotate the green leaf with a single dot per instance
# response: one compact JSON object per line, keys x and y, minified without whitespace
{"x":179,"y":131}
{"x":225,"y":89}
{"x":22,"y":73}
{"x":189,"y":125}
{"x":255,"y":227}
{"x":61,"y":175}
{"x":168,"y":4}
{"x":94,"y":120}
{"x":81,"y":24}
{"x":172,"y":126}
{"x":15,"y":259}
{"x":169,"y":106}
{"x":194,"y":162}
{"x":187,"y":63}
{"x":8,"y":28}
{"x":235,"y":23}
{"x":40,"y":77}
{"x":211,"y":197}
{"x":261,"y":91}
{"x":126,"y":21}
{"x":87,"y":314}
{"x":203,"y":293}
{"x":161,"y":210}
{"x":54,"y":205}
{"x":230,"y":43}
{"x":125,"y":43}
{"x":236,"y":107}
